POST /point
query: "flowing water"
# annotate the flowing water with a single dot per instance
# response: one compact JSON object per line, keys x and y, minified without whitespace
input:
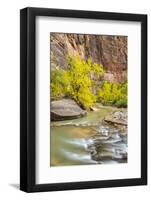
{"x":87,"y":141}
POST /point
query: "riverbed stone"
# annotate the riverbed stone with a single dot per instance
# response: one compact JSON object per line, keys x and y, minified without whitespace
{"x":66,"y":109}
{"x":117,"y":118}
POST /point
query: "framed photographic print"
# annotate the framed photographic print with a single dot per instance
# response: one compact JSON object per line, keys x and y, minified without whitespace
{"x":83,"y":99}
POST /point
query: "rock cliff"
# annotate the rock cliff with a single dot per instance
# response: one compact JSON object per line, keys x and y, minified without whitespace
{"x":110,"y":51}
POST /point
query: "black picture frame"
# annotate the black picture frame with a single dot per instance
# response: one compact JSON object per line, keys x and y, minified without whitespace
{"x":28,"y":99}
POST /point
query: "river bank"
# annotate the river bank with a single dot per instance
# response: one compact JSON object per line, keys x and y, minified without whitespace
{"x":94,"y":117}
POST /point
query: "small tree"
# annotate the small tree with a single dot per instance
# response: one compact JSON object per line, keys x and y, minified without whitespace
{"x":76,"y":82}
{"x":80,"y":82}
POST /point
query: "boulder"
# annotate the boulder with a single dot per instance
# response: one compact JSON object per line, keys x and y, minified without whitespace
{"x":66,"y":109}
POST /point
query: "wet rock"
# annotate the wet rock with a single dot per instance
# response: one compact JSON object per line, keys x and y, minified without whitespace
{"x":104,"y":130}
{"x":66,"y":109}
{"x":117,"y":118}
{"x":106,"y":147}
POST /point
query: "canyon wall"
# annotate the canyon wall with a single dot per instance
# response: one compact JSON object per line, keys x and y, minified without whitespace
{"x":110,"y":51}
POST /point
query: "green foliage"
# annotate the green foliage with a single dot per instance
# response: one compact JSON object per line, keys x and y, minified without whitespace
{"x":59,"y":80}
{"x":113,"y":94}
{"x":77,"y":81}
{"x":121,"y":103}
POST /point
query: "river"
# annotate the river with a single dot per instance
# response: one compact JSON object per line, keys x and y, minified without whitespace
{"x":87,"y":140}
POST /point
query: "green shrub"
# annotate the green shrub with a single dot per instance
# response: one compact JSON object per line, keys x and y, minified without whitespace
{"x":113,"y":94}
{"x":59,"y":81}
{"x":121,"y":103}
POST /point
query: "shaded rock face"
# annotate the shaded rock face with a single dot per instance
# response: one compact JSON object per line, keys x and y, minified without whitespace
{"x":110,"y":51}
{"x":65,"y":109}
